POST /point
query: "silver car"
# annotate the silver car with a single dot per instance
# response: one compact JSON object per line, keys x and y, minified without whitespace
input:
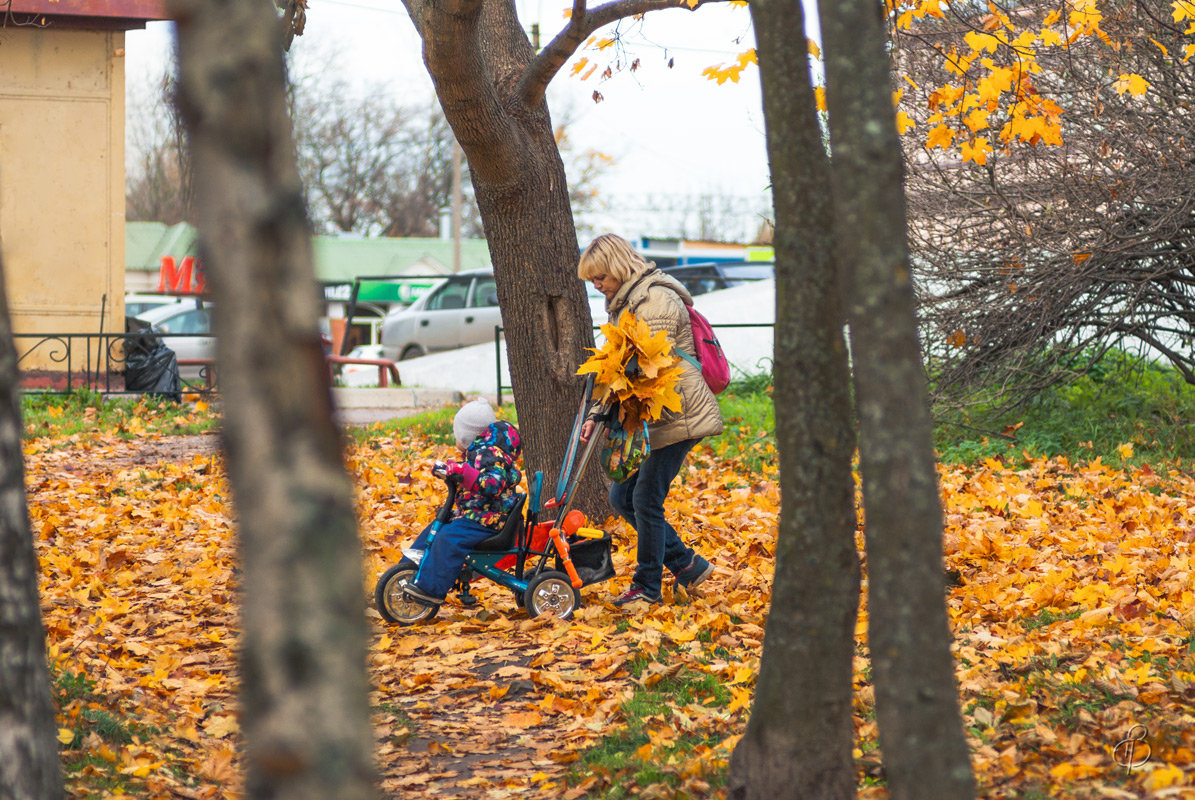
{"x":460,"y":311}
{"x":188,"y":332}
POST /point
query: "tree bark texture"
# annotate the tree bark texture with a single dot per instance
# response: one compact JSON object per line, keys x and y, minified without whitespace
{"x":920,"y":727}
{"x":799,"y":739}
{"x":29,"y":766}
{"x":476,"y":53}
{"x":304,"y":689}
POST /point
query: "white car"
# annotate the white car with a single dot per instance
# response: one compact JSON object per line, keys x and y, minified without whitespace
{"x":460,"y":311}
{"x":186,"y":329}
{"x":137,"y":304}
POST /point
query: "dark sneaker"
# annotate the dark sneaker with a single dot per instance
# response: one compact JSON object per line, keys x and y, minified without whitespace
{"x":634,"y":594}
{"x":415,"y":594}
{"x":698,"y":571}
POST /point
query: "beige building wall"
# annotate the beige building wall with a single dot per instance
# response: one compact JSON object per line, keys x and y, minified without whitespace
{"x":62,"y":179}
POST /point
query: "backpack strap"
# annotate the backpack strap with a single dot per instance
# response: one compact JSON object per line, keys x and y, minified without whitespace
{"x":687,"y":357}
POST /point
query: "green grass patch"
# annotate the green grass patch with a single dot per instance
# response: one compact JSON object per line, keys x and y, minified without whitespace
{"x":1125,"y":411}
{"x":746,"y":407}
{"x":648,"y":719}
{"x":1048,"y":616}
{"x":435,"y":425}
{"x":91,"y":758}
{"x":84,"y":413}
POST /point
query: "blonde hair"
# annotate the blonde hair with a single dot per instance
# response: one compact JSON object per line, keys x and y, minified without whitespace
{"x":612,"y":255}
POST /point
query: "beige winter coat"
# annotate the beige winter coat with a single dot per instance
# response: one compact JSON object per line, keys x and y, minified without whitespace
{"x":660,"y":300}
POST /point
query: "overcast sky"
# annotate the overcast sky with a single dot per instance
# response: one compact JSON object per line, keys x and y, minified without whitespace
{"x":669,"y":130}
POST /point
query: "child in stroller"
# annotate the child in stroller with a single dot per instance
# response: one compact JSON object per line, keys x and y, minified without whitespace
{"x":495,"y":532}
{"x":488,"y":482}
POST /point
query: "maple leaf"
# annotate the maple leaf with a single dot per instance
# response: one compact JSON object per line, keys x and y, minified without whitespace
{"x":976,"y":151}
{"x":941,"y":136}
{"x":1131,"y":83}
{"x":980,"y":42}
{"x":1049,"y":36}
{"x":977,"y":120}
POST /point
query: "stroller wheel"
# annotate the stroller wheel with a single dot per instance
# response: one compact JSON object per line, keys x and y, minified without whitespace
{"x":551,"y":592}
{"x":393,"y":607}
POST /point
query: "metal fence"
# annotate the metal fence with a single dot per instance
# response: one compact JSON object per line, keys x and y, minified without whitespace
{"x":498,"y":350}
{"x":71,"y":362}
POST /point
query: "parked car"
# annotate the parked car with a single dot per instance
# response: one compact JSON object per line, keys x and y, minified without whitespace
{"x":188,"y":331}
{"x":460,"y":311}
{"x":711,"y":277}
{"x":137,"y":304}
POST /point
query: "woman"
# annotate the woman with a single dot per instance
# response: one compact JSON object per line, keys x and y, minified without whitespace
{"x":631,"y":284}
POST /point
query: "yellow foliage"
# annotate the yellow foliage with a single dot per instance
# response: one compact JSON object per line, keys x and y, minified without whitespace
{"x":635,"y":369}
{"x":981,"y":42}
{"x":977,"y":120}
{"x":941,"y":136}
{"x":1162,"y":777}
{"x":977,"y":150}
{"x":1131,"y":83}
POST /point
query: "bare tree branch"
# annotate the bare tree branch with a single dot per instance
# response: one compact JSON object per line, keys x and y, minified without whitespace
{"x":534,"y":82}
{"x":1047,"y":255}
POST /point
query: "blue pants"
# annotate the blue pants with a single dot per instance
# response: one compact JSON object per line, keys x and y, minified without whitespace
{"x":443,"y":560}
{"x":640,"y":501}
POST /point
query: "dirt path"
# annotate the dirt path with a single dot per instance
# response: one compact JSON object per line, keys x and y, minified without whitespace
{"x":481,"y":703}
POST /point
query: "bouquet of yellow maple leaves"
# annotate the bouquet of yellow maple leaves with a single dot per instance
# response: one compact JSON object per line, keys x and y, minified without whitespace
{"x":635,"y":369}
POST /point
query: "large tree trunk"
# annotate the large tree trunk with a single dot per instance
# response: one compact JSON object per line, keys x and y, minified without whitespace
{"x":304,"y":690}
{"x":921,"y":733}
{"x":799,"y":739}
{"x":476,"y":55}
{"x":29,"y":768}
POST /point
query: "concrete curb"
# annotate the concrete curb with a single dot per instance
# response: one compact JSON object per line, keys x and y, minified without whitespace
{"x":394,"y":397}
{"x":356,"y":406}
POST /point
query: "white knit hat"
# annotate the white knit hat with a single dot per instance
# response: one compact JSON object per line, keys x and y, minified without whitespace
{"x":473,"y":418}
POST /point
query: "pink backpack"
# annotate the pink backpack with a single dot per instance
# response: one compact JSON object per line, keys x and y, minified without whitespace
{"x":710,"y":359}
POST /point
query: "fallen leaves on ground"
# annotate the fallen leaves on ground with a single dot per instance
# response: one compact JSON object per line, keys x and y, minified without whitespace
{"x":1072,"y":606}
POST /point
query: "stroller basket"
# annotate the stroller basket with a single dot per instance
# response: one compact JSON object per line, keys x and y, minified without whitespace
{"x":592,"y":558}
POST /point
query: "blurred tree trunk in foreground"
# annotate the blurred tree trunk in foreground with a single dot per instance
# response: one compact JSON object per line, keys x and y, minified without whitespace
{"x":920,"y":725}
{"x":29,"y":767}
{"x":304,"y":690}
{"x":799,"y":739}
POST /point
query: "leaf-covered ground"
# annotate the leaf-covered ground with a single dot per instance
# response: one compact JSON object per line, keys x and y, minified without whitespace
{"x":1072,"y":604}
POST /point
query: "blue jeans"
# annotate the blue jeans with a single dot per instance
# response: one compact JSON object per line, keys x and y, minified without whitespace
{"x":443,"y":560}
{"x":640,"y":501}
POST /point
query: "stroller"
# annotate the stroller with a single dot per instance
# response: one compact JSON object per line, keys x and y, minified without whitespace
{"x":544,"y":564}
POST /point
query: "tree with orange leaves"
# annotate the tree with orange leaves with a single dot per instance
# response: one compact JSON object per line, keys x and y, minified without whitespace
{"x":1048,"y":152}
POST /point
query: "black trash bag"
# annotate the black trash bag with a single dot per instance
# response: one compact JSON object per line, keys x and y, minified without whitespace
{"x":151,"y":367}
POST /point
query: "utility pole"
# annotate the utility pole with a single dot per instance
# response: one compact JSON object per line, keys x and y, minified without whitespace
{"x":457,"y":202}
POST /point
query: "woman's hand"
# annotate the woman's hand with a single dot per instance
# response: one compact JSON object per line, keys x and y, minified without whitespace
{"x":587,"y":429}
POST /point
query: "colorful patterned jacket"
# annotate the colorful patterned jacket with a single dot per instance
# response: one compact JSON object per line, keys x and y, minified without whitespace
{"x":490,"y":479}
